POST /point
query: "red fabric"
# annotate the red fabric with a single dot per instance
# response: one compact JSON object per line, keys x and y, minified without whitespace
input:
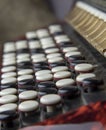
{"x":90,"y":113}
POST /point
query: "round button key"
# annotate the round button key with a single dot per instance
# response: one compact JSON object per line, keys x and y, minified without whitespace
{"x":25,"y":77}
{"x":8,"y":107}
{"x":8,"y":75}
{"x":46,"y":77}
{"x":62,"y":75}
{"x":82,"y":77}
{"x":8,"y":91}
{"x":50,"y":99}
{"x":47,"y":84}
{"x":31,"y":35}
{"x":28,"y":95}
{"x":42,"y":72}
{"x":8,"y":99}
{"x":40,"y":55}
{"x":25,"y":71}
{"x":8,"y":69}
{"x":8,"y":80}
{"x":72,"y":53}
{"x":69,"y":49}
{"x":52,"y":55}
{"x":52,"y":50}
{"x":84,"y":67}
{"x":28,"y":106}
{"x":55,"y":59}
{"x":69,"y":92}
{"x":59,"y":68}
{"x":37,"y":60}
{"x":65,"y":83}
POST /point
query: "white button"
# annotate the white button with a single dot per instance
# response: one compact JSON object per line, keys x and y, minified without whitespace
{"x":51,"y":50}
{"x":28,"y":106}
{"x":81,"y":77}
{"x":49,"y":45}
{"x":42,"y":59}
{"x":25,"y":77}
{"x":21,"y":47}
{"x":21,"y":42}
{"x":8,"y":75}
{"x":8,"y":99}
{"x":9,"y":43}
{"x":72,"y":53}
{"x":11,"y":62}
{"x":104,"y":54}
{"x":26,"y":95}
{"x":9,"y":55}
{"x":8,"y":80}
{"x":8,"y":59}
{"x":25,"y":71}
{"x":59,"y":68}
{"x":45,"y":77}
{"x":55,"y":59}
{"x":84,"y":67}
{"x":44,"y":43}
{"x":50,"y":99}
{"x":60,"y":37}
{"x":42,"y":33}
{"x":8,"y":107}
{"x":69,"y":49}
{"x":40,"y":55}
{"x":49,"y":56}
{"x":8,"y":91}
{"x":34,"y":44}
{"x":63,"y":40}
{"x":62,"y":74}
{"x":55,"y":28}
{"x":46,"y":40}
{"x":42,"y":72}
{"x":9,"y":47}
{"x":31,"y":35}
{"x":65,"y":82}
{"x":8,"y":69}
{"x":22,"y":56}
{"x":23,"y":60}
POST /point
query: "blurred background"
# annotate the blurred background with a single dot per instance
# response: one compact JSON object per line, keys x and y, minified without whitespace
{"x":20,"y":16}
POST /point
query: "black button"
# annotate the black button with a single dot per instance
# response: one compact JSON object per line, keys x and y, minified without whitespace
{"x":45,"y":91}
{"x":69,"y":92}
{"x":48,"y":84}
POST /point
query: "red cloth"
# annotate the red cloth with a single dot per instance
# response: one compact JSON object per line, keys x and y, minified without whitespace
{"x":89,"y":113}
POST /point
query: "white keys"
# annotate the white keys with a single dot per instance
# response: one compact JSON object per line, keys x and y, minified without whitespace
{"x":59,"y":68}
{"x":25,"y":72}
{"x":8,"y":91}
{"x":55,"y":59}
{"x":81,"y":77}
{"x":8,"y":69}
{"x":24,"y":77}
{"x":84,"y":67}
{"x":28,"y":106}
{"x":65,"y":82}
{"x":8,"y":80}
{"x":8,"y":99}
{"x":45,"y":77}
{"x":8,"y":75}
{"x":62,"y":74}
{"x":43,"y":72}
{"x":8,"y":107}
{"x":28,"y":95}
{"x":30,"y":35}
